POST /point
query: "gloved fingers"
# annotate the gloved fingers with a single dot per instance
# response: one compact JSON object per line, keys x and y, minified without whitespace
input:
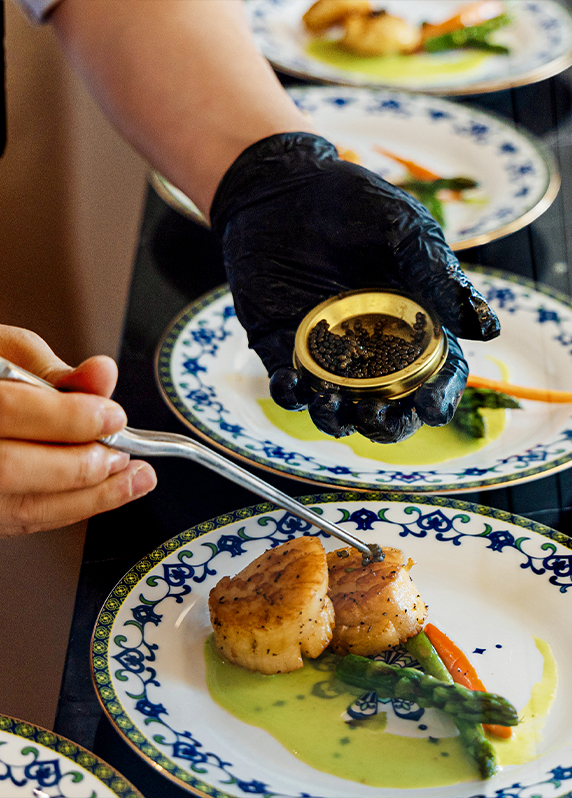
{"x":339,"y":416}
{"x":424,"y":260}
{"x":289,"y":389}
{"x":332,"y":413}
{"x":437,"y":399}
{"x":386,"y":422}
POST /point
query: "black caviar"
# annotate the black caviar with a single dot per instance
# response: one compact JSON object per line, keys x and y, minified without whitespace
{"x":362,"y":352}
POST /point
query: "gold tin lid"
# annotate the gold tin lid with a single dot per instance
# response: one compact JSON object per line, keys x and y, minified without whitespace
{"x":398,"y":314}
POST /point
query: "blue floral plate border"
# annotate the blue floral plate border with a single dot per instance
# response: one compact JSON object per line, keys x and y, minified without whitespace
{"x":517,"y":175}
{"x":197,"y":386}
{"x":540,"y":41}
{"x":35,"y":761}
{"x":151,"y":685}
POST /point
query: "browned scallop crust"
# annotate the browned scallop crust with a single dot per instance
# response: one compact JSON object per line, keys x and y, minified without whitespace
{"x":377,"y":606}
{"x":276,"y":609}
{"x":380,"y":34}
{"x":324,"y":14}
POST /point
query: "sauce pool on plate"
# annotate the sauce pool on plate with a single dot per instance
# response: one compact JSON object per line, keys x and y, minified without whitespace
{"x":396,"y":67}
{"x":305,"y":710}
{"x":428,"y":445}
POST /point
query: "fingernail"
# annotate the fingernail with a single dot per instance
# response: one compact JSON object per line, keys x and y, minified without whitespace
{"x":142,"y":481}
{"x":114,"y":419}
{"x":117,"y":461}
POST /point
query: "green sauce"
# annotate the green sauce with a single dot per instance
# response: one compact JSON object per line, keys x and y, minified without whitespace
{"x":428,"y":445}
{"x":523,"y":744}
{"x":304,"y":710}
{"x":396,"y":67}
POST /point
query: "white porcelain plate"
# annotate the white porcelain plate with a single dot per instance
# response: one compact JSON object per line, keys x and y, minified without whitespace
{"x":218,"y":387}
{"x":517,"y":179}
{"x":37,"y":763}
{"x":495,"y":583}
{"x":539,"y":39}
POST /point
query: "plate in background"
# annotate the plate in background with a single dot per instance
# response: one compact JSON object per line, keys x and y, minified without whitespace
{"x":517,"y":176}
{"x":219,"y":388}
{"x":511,"y":577}
{"x":539,"y":38}
{"x":38,"y":762}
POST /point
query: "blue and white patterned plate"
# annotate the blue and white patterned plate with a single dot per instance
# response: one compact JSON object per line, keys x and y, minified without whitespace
{"x":539,"y":39}
{"x":494,"y":582}
{"x":217,"y":386}
{"x":517,"y":176}
{"x":37,"y":762}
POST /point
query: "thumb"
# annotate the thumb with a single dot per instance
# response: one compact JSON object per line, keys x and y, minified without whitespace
{"x":97,"y":375}
{"x":25,"y":348}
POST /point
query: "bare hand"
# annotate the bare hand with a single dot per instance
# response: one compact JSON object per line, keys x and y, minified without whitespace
{"x":52,"y":470}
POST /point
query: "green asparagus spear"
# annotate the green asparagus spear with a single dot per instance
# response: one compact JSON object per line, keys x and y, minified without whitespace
{"x":424,"y":652}
{"x":469,"y":421}
{"x":440,"y":184}
{"x":410,"y":684}
{"x":484,"y":397}
{"x":468,"y":417}
{"x":426,"y":192}
{"x":472,"y":735}
{"x":475,"y":36}
{"x":478,"y":747}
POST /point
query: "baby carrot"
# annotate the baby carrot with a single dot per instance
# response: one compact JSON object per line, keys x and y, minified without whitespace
{"x":349,"y":155}
{"x":418,"y":172}
{"x":413,"y":168}
{"x":467,"y":16}
{"x":461,"y":670}
{"x":521,"y":391}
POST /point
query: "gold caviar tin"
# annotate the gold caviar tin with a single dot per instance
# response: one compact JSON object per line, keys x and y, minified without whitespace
{"x":397,"y":314}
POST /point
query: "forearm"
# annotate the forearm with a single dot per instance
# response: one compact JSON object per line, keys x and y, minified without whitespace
{"x":182,"y":81}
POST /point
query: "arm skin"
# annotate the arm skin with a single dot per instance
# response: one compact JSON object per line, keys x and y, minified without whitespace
{"x":184,"y":83}
{"x":43,"y":484}
{"x":152,"y":67}
{"x":181,"y":80}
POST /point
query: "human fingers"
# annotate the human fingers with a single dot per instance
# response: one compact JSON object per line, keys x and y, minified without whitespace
{"x":437,"y":399}
{"x":34,"y":512}
{"x":28,"y":412}
{"x":96,"y":375}
{"x":27,"y":349}
{"x":27,"y":467}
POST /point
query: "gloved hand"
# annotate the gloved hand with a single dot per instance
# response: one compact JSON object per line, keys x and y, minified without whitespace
{"x":298,"y":225}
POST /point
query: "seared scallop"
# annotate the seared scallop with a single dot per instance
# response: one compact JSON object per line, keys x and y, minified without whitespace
{"x":377,"y":606}
{"x":380,"y":33}
{"x":325,"y":14}
{"x":276,"y":609}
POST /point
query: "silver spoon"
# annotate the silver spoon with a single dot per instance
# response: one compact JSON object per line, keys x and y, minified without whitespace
{"x":148,"y":443}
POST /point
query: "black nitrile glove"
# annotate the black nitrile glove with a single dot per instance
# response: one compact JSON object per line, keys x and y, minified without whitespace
{"x":298,"y":225}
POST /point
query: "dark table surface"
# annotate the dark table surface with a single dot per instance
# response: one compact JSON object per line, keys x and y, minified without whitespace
{"x":178,"y":261}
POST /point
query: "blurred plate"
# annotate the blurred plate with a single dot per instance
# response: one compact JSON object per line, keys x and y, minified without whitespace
{"x":219,"y":388}
{"x":517,"y":177}
{"x":539,"y":38}
{"x":37,"y":762}
{"x":510,"y":577}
